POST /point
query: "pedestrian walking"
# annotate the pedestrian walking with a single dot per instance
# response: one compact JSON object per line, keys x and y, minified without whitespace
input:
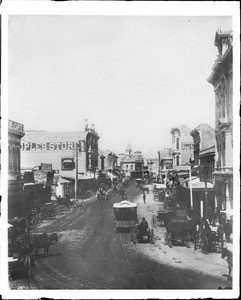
{"x":153,"y":220}
{"x":144,"y":197}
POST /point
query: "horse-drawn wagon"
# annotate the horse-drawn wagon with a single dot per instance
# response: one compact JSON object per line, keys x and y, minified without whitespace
{"x":138,"y":182}
{"x":159,"y":191}
{"x":207,"y":240}
{"x":178,"y":229}
{"x":101,"y":194}
{"x":125,"y":215}
{"x":143,"y":234}
{"x":145,"y":189}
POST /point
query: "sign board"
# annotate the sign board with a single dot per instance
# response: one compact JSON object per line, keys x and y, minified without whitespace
{"x":46,"y":167}
{"x":187,"y":146}
{"x":53,"y":146}
{"x":67,"y":164}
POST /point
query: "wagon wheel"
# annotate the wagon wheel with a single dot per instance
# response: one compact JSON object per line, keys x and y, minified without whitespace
{"x":204,"y":244}
{"x":187,"y":239}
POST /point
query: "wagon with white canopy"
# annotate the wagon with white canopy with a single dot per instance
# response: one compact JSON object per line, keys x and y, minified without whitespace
{"x":125,"y":215}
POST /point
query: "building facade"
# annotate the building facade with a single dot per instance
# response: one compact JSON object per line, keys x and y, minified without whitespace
{"x":222,"y":80}
{"x":58,"y":148}
{"x":203,"y":138}
{"x":132,"y":165}
{"x":15,"y":182}
{"x":182,"y":145}
{"x":107,"y":160}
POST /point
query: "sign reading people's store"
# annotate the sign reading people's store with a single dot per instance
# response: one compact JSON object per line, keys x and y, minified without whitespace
{"x":53,"y":146}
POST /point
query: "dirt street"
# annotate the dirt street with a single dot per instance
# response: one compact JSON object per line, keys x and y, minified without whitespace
{"x":91,"y":255}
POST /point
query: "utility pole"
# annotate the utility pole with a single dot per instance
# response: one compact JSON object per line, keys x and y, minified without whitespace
{"x":190,"y":180}
{"x":76,"y":173}
{"x":159,"y":159}
{"x":206,"y":191}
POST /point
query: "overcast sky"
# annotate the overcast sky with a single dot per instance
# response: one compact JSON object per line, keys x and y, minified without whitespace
{"x":133,"y":77}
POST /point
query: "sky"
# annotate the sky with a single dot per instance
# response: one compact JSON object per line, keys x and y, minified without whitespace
{"x":133,"y":77}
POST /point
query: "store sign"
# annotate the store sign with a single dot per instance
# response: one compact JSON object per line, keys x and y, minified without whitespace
{"x":46,"y":167}
{"x":187,"y":146}
{"x":67,"y":164}
{"x":53,"y":146}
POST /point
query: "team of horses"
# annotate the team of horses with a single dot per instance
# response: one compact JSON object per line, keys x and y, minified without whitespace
{"x":43,"y":241}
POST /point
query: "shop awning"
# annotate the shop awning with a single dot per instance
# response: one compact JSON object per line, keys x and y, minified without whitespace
{"x":197,"y":184}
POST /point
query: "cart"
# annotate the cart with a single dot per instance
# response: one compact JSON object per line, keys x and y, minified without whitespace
{"x":143,"y":236}
{"x":163,"y":217}
{"x":207,"y":240}
{"x":178,"y":231}
{"x":125,"y":215}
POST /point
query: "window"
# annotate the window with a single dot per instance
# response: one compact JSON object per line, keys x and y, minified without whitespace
{"x":177,"y":143}
{"x":177,"y":160}
{"x":126,"y":167}
{"x":131,"y":167}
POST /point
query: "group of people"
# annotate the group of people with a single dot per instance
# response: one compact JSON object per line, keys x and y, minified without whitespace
{"x":224,"y":227}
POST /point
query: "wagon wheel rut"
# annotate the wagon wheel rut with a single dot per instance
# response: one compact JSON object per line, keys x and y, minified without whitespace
{"x":142,"y":273}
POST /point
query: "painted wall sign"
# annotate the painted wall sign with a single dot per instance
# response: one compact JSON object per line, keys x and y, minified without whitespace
{"x":187,"y":146}
{"x":46,"y":167}
{"x":52,"y":146}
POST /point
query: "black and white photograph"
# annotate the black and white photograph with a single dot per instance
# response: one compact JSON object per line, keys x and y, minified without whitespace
{"x":120,"y":150}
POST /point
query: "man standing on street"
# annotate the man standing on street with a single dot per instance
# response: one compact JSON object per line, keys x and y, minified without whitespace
{"x":144,"y":197}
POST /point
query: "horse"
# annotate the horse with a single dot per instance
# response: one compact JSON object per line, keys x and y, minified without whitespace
{"x":229,"y":255}
{"x":44,"y":241}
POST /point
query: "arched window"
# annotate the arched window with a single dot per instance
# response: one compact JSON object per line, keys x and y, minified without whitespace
{"x":177,"y":143}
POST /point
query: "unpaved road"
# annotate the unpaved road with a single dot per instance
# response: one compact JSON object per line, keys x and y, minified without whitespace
{"x":91,"y":255}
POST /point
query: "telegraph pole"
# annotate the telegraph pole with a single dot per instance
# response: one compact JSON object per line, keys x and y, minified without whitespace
{"x":206,"y":191}
{"x":159,"y":170}
{"x":76,"y":173}
{"x":190,"y":180}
